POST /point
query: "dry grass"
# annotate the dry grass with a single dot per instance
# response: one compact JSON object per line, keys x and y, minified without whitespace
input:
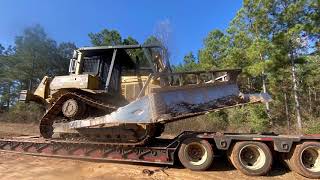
{"x":204,"y":123}
{"x":22,"y":113}
{"x":18,"y":129}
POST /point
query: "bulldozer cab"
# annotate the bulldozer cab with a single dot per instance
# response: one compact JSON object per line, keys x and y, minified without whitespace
{"x":113,"y":66}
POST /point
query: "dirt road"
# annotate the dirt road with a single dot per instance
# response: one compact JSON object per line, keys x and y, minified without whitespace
{"x":18,"y":166}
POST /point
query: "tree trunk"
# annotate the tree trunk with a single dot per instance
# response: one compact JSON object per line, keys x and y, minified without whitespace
{"x":287,"y":111}
{"x":310,"y":100}
{"x":32,"y":72}
{"x":8,"y":99}
{"x":295,"y":94}
{"x":264,"y":87}
{"x":249,"y":84}
{"x":315,"y":102}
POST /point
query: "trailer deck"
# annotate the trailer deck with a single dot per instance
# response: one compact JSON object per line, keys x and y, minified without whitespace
{"x":161,"y":154}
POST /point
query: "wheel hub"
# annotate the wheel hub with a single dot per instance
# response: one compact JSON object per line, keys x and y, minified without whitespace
{"x":73,"y":108}
{"x":196,"y":153}
{"x":310,"y":158}
{"x":252,"y":157}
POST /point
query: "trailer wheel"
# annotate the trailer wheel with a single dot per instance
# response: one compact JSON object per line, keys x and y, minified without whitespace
{"x":251,"y":158}
{"x":196,"y":154}
{"x":305,"y":159}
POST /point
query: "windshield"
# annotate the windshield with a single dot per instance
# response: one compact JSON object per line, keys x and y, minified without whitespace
{"x":91,"y":65}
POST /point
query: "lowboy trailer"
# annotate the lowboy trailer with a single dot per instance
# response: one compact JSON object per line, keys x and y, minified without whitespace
{"x":252,"y":154}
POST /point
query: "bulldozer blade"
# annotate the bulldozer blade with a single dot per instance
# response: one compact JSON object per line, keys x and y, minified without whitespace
{"x":171,"y":104}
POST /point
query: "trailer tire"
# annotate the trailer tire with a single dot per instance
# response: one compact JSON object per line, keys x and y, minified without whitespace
{"x":304,"y":159}
{"x":251,"y":158}
{"x":196,"y":154}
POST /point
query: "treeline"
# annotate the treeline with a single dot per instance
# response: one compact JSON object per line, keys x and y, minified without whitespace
{"x":276,"y":43}
{"x":24,"y":64}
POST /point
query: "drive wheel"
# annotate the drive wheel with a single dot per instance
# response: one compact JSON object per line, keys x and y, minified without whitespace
{"x":196,"y":154}
{"x":305,"y":159}
{"x":72,"y":108}
{"x":251,"y":158}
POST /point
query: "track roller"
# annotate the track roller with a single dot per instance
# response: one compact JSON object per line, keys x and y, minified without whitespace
{"x":73,"y":108}
{"x":251,"y":158}
{"x":305,"y":159}
{"x":196,"y":154}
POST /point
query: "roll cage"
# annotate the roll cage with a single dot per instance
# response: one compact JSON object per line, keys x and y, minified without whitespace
{"x":108,"y":62}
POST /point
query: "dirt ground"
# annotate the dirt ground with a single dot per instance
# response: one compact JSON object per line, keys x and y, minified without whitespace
{"x":19,"y":166}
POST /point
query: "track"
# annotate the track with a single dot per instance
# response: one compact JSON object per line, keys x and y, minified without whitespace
{"x":46,"y":123}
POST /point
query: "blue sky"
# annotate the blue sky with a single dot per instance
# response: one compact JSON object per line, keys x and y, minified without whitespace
{"x":71,"y":20}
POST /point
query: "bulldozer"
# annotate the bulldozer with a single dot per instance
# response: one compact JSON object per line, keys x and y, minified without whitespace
{"x":114,"y":97}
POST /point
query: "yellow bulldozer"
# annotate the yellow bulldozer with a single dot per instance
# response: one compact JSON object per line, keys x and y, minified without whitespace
{"x":112,"y":96}
{"x":99,"y":72}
